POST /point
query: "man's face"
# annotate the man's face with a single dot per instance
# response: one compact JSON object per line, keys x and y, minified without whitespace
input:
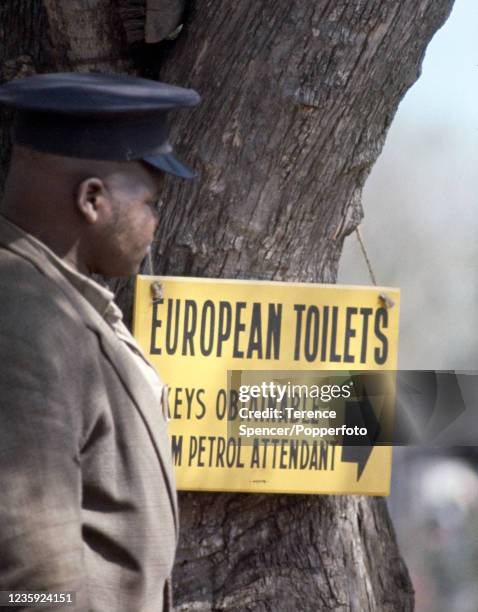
{"x":130,"y":219}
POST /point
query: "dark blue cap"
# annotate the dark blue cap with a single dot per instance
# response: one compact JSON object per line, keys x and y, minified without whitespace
{"x":98,"y":116}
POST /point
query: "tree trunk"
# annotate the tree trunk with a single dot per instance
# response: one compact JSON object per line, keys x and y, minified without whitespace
{"x":24,"y":50}
{"x":297,"y":100}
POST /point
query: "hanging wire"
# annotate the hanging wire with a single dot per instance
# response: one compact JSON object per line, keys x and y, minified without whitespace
{"x":386,"y":299}
{"x":156,"y":286}
{"x":365,"y":256}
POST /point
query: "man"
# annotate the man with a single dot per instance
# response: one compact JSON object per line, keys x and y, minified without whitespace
{"x":88,"y":501}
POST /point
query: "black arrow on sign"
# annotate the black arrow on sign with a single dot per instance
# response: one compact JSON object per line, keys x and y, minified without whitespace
{"x":357,"y":449}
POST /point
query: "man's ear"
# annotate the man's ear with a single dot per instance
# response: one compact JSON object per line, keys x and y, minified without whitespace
{"x":91,"y":198}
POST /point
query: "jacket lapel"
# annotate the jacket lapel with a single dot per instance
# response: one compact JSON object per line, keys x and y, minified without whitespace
{"x":146,"y":404}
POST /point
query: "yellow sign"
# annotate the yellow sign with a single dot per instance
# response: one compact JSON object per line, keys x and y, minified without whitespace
{"x":233,"y":351}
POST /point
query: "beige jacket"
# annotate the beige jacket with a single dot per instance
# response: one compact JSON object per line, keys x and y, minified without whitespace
{"x":88,"y":500}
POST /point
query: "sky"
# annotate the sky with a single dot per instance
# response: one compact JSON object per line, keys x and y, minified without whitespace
{"x":421,"y":205}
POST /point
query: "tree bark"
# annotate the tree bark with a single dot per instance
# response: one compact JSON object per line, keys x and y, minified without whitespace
{"x":24,"y":50}
{"x":297,"y":100}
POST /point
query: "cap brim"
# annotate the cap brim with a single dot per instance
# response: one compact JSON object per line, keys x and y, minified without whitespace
{"x":169,"y":163}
